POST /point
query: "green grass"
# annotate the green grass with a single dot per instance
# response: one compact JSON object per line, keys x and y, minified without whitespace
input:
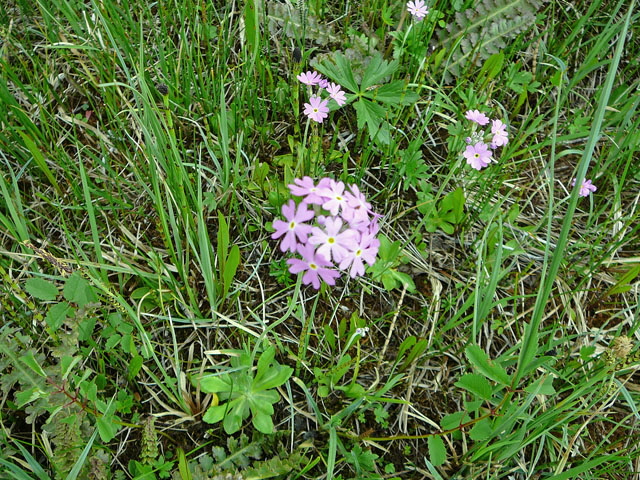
{"x":145,"y":150}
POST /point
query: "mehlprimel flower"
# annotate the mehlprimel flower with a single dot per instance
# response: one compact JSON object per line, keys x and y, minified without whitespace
{"x":310,"y":78}
{"x":418,"y":9}
{"x":337,"y":93}
{"x":477,"y":116}
{"x":586,"y":188}
{"x":316,"y":109}
{"x":315,"y":266}
{"x":499,"y":131}
{"x":478,"y":155}
{"x":294,"y":226}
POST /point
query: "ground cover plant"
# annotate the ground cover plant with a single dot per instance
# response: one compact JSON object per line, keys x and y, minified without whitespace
{"x":315,"y":239}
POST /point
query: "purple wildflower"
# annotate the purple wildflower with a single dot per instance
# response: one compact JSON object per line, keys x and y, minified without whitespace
{"x":336,"y":92}
{"x":418,"y":9}
{"x":294,"y":226}
{"x":478,"y":155}
{"x":477,"y":116}
{"x":499,"y":131}
{"x":315,"y":266}
{"x":310,"y":78}
{"x":316,"y":109}
{"x":586,"y":188}
{"x":333,"y":243}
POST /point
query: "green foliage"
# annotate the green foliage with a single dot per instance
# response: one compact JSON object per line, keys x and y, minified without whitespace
{"x":385,"y":268}
{"x":448,"y":212}
{"x":246,"y":392}
{"x":369,"y":94}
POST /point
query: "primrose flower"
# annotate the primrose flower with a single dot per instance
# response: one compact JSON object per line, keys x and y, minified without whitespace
{"x":316,"y":109}
{"x":335,"y":197}
{"x":365,"y":250}
{"x":499,"y":131}
{"x":315,"y":266}
{"x":586,"y":188}
{"x":310,"y":78}
{"x":478,"y":155}
{"x":418,"y":9}
{"x":477,"y":116}
{"x":306,"y":188}
{"x":336,"y":92}
{"x":333,"y":242}
{"x":294,"y":226}
{"x":323,"y":83}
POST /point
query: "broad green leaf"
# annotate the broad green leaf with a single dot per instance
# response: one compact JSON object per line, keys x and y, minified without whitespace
{"x":476,"y":384}
{"x":454,"y":420}
{"x":486,"y":366}
{"x":340,"y":72}
{"x":369,"y":114}
{"x":263,"y":423}
{"x":134,"y":367}
{"x":230,"y":268}
{"x":482,"y":430}
{"x":437,"y":451}
{"x":27,"y":396}
{"x":78,"y":290}
{"x":41,"y":289}
{"x":106,"y":427}
{"x":394,"y":93}
{"x":30,"y":361}
{"x":216,"y":384}
{"x":377,"y":70}
{"x":57,"y":315}
{"x":215,"y":414}
{"x":542,"y":386}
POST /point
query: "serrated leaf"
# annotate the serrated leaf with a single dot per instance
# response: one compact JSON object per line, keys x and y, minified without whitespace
{"x":134,"y":367}
{"x":486,"y":366}
{"x":482,"y":430}
{"x":542,"y":386}
{"x":30,"y":361}
{"x":106,"y":427}
{"x":57,"y":315}
{"x":41,"y":289}
{"x":454,"y":420}
{"x":377,"y":70}
{"x":340,"y":72}
{"x":394,"y":93}
{"x":78,"y":290}
{"x":476,"y":384}
{"x":437,"y":451}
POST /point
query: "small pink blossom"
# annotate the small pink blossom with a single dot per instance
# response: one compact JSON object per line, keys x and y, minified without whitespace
{"x":336,"y":197}
{"x":306,"y":188}
{"x":478,"y":155}
{"x":315,"y":267}
{"x":316,"y":109}
{"x":323,"y":83}
{"x":336,"y":92}
{"x":418,"y":9}
{"x":499,"y":131}
{"x":333,"y":243}
{"x":363,"y":251}
{"x":477,"y":116}
{"x":310,"y":78}
{"x":358,"y":209}
{"x":586,"y":188}
{"x":294,"y":226}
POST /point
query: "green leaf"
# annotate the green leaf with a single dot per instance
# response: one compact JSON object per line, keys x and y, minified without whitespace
{"x":134,"y":367}
{"x":106,"y":427}
{"x":377,"y":70}
{"x":394,"y":93}
{"x":214,"y":414}
{"x":233,"y":260}
{"x":263,"y":423}
{"x":454,"y":420}
{"x":476,"y":384}
{"x":340,"y":72}
{"x":486,"y":366}
{"x":57,"y":315}
{"x":78,"y":290}
{"x":482,"y":430}
{"x":542,"y":386}
{"x":41,"y":289}
{"x":30,"y":361}
{"x":371,"y":115}
{"x":437,"y":451}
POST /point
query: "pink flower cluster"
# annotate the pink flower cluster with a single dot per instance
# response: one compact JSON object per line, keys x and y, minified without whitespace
{"x":478,"y":153}
{"x":318,"y":108}
{"x":344,"y":233}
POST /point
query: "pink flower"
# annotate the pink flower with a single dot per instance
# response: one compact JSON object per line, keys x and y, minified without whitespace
{"x":478,"y":155}
{"x":316,"y":109}
{"x":477,"y":116}
{"x":333,"y":243}
{"x":418,"y":9}
{"x":337,"y":94}
{"x":365,"y":249}
{"x":499,"y":131}
{"x":586,"y":188}
{"x":336,"y":197}
{"x":310,"y":78}
{"x":293,"y":227}
{"x":323,"y":83}
{"x":307,"y":189}
{"x":314,"y":264}
{"x":357,"y":211}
